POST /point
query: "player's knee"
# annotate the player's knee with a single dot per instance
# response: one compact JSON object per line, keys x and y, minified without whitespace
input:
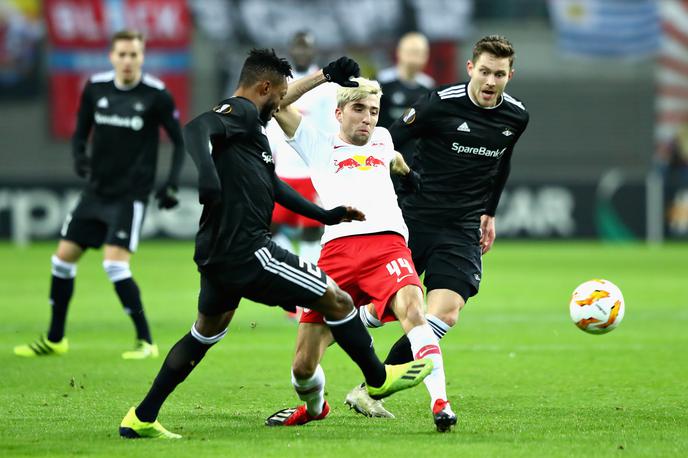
{"x":449,"y":315}
{"x":342,"y":302}
{"x":62,"y":269}
{"x":335,"y":303}
{"x":415,"y":314}
{"x":117,"y":270}
{"x":211,"y":326}
{"x":303,"y":367}
{"x":207,"y":338}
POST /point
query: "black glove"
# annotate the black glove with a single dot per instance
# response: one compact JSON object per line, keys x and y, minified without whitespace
{"x":334,"y":215}
{"x":410,"y":182}
{"x":167,"y":197}
{"x":341,"y":70}
{"x":82,"y":166}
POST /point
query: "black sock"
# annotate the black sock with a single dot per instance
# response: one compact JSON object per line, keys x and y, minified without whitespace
{"x":129,"y":295}
{"x":400,"y":352}
{"x":180,"y":361}
{"x":61,"y":290}
{"x":354,"y":339}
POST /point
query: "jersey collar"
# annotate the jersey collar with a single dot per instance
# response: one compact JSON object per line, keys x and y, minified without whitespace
{"x":126,"y":87}
{"x":468,"y":92}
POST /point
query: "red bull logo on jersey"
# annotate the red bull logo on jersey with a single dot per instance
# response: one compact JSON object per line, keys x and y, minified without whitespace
{"x":359,"y":162}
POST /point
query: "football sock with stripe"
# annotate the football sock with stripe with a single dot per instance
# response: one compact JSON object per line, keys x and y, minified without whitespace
{"x":369,"y":321}
{"x":180,"y":361}
{"x":424,"y":344}
{"x":311,"y":391}
{"x":61,"y":290}
{"x":129,"y":295}
{"x":401,"y":352}
{"x":354,"y":339}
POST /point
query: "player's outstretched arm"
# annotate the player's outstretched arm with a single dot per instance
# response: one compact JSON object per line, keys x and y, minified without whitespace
{"x":286,"y":196}
{"x":197,"y":134}
{"x":339,"y":71}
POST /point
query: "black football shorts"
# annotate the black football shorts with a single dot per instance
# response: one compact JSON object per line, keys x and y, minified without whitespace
{"x":96,"y":220}
{"x":451,"y":259}
{"x":274,"y":277}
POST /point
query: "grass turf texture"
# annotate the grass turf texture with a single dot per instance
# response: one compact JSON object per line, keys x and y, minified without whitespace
{"x":522,"y":378}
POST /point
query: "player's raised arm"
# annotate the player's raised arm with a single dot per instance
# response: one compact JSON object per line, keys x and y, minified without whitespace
{"x":197,"y":134}
{"x":339,"y":71}
{"x":286,"y":195}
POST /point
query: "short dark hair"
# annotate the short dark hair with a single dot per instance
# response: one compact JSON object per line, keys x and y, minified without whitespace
{"x":496,"y":45}
{"x":127,"y":34}
{"x":263,"y":64}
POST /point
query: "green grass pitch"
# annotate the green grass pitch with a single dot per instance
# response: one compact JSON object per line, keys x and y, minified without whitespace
{"x":522,"y":378}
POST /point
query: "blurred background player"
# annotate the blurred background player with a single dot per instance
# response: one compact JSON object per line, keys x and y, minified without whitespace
{"x":292,"y":231}
{"x":464,"y":137}
{"x":404,"y":83}
{"x":125,"y":109}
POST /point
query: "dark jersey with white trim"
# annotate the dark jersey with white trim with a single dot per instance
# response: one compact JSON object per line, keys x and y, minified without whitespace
{"x":463,"y":155}
{"x":126,"y":125}
{"x":398,"y":95}
{"x":232,"y":229}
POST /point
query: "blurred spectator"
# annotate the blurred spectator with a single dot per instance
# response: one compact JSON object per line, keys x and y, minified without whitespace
{"x":20,"y":34}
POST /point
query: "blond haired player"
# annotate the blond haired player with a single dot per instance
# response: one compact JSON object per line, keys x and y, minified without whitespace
{"x":369,"y":259}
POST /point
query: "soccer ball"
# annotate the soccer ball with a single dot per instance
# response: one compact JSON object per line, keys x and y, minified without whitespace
{"x":597,"y":306}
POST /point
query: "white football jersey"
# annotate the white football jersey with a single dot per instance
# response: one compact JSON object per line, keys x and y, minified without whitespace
{"x":318,"y":105}
{"x":346,"y":174}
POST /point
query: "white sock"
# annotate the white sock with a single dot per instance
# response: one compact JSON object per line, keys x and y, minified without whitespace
{"x":283,"y":241}
{"x":310,"y":251}
{"x":439,"y":327}
{"x":369,"y":321}
{"x":424,"y":344}
{"x":311,"y":391}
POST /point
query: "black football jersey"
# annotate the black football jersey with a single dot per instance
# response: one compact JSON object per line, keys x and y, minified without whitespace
{"x":463,"y":153}
{"x":232,"y":229}
{"x":398,"y":95}
{"x":125,"y":123}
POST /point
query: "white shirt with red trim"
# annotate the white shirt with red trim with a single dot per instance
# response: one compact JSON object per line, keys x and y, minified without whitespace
{"x":346,"y":174}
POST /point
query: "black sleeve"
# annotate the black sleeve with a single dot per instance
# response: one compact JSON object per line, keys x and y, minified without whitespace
{"x":286,"y":196}
{"x":502,"y":176}
{"x":84,"y":122}
{"x":411,"y":126}
{"x":169,"y":119}
{"x":499,"y":183}
{"x":197,"y":138}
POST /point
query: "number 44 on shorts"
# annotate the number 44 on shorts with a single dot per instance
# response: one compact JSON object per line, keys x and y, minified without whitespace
{"x":395,"y":268}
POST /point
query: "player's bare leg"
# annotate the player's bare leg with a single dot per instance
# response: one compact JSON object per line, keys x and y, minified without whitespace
{"x":307,"y":377}
{"x":63,"y":273}
{"x":348,"y":331}
{"x":407,"y":305}
{"x":116,"y":265}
